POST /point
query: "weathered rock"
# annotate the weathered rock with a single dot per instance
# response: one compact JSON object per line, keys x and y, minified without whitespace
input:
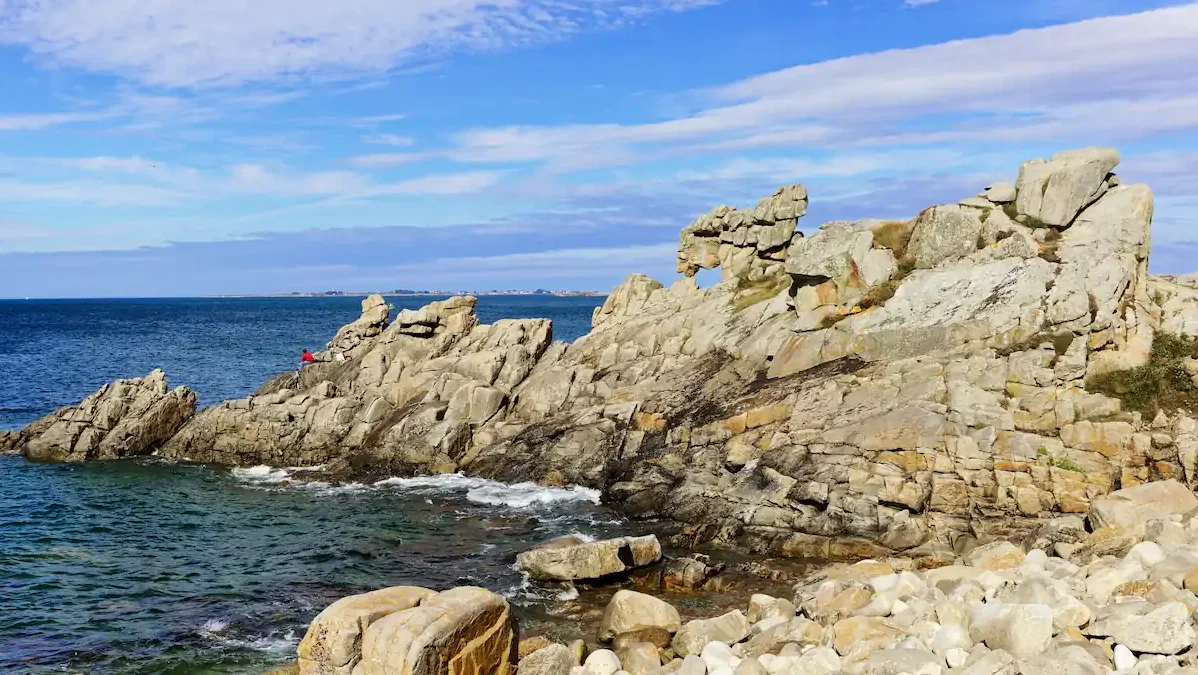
{"x":1133,"y":507}
{"x":1054,"y":192}
{"x":1000,"y":193}
{"x":550,"y":660}
{"x":762,"y":607}
{"x":357,"y":334}
{"x":729,"y":628}
{"x":1165,"y":630}
{"x":125,"y":418}
{"x":571,"y":560}
{"x":944,"y":233}
{"x":639,"y":658}
{"x":464,"y":630}
{"x":333,"y":643}
{"x":630,"y":611}
{"x":688,"y":573}
{"x":1020,"y":630}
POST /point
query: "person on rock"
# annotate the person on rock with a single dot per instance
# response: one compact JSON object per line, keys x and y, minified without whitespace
{"x":306,"y":358}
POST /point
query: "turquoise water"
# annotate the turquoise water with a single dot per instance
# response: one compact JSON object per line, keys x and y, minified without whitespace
{"x":149,"y":567}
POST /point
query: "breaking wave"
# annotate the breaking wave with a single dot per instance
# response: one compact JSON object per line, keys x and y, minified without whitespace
{"x":477,"y":490}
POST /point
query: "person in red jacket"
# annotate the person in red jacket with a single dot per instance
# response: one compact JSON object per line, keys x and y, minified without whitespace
{"x":306,"y":358}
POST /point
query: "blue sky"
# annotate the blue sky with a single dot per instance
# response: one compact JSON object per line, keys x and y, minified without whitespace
{"x":174,"y":147}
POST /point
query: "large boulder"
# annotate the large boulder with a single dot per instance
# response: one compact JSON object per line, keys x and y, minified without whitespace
{"x":1133,"y":507}
{"x":550,"y":660}
{"x":630,"y":611}
{"x":1053,"y":192}
{"x":571,"y":559}
{"x":463,"y":631}
{"x":333,"y":643}
{"x":125,"y":418}
{"x":944,"y":233}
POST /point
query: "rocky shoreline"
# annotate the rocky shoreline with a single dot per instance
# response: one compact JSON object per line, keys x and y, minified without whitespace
{"x":1111,"y":593}
{"x":912,"y":392}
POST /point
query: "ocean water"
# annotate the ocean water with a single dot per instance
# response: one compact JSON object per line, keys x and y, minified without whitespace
{"x":55,"y":352}
{"x":149,"y":567}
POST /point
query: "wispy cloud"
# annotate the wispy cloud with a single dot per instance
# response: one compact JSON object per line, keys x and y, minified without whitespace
{"x":1029,"y":85}
{"x":182,"y":43}
{"x":394,"y":140}
{"x":36,"y":121}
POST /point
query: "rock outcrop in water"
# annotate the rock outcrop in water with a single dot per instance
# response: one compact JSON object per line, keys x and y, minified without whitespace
{"x":126,"y":418}
{"x":877,"y":386}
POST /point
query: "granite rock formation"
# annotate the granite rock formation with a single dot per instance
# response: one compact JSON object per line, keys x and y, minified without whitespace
{"x":876,"y":386}
{"x":412,"y":631}
{"x":125,"y":418}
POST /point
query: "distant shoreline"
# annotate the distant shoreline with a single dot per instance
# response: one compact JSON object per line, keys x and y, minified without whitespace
{"x":417,"y":294}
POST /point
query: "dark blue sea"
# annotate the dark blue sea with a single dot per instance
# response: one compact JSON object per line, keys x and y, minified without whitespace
{"x":149,"y":567}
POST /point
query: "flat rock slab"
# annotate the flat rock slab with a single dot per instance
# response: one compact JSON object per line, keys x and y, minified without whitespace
{"x":573,"y":560}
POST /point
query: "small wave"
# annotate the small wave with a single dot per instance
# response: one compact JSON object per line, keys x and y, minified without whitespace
{"x":214,"y":626}
{"x":494,"y":493}
{"x":322,"y":488}
{"x":568,"y":594}
{"x":273,"y":643}
{"x":261,"y":474}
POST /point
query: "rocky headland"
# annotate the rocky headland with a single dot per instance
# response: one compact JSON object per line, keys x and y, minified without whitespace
{"x":993,"y":397}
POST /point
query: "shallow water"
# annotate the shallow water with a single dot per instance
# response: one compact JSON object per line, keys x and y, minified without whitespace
{"x":148,"y":567}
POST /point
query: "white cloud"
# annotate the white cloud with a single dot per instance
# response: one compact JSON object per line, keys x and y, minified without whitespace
{"x":572,"y":263}
{"x":1125,"y":76}
{"x":394,"y":140}
{"x":386,"y":160}
{"x":918,"y":3}
{"x":91,"y":192}
{"x":36,"y":121}
{"x":187,"y":43}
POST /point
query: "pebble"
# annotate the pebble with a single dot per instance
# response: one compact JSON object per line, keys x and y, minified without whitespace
{"x":1124,"y":659}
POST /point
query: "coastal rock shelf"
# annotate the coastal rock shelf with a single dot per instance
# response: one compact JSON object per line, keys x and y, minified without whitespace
{"x":1117,"y":598}
{"x":875,"y":387}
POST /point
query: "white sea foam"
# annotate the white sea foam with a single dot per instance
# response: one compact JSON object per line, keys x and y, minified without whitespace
{"x":273,"y":643}
{"x":261,"y":474}
{"x":568,"y":594}
{"x":213,"y":626}
{"x":478,"y":490}
{"x":494,"y":493}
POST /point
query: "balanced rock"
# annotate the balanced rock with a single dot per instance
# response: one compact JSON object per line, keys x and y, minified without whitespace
{"x":125,"y":418}
{"x":571,"y":559}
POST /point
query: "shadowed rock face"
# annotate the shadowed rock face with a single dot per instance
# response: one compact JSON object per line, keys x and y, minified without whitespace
{"x":126,"y":418}
{"x":878,"y":385}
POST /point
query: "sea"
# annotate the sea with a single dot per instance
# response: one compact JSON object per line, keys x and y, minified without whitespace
{"x":144,"y":566}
